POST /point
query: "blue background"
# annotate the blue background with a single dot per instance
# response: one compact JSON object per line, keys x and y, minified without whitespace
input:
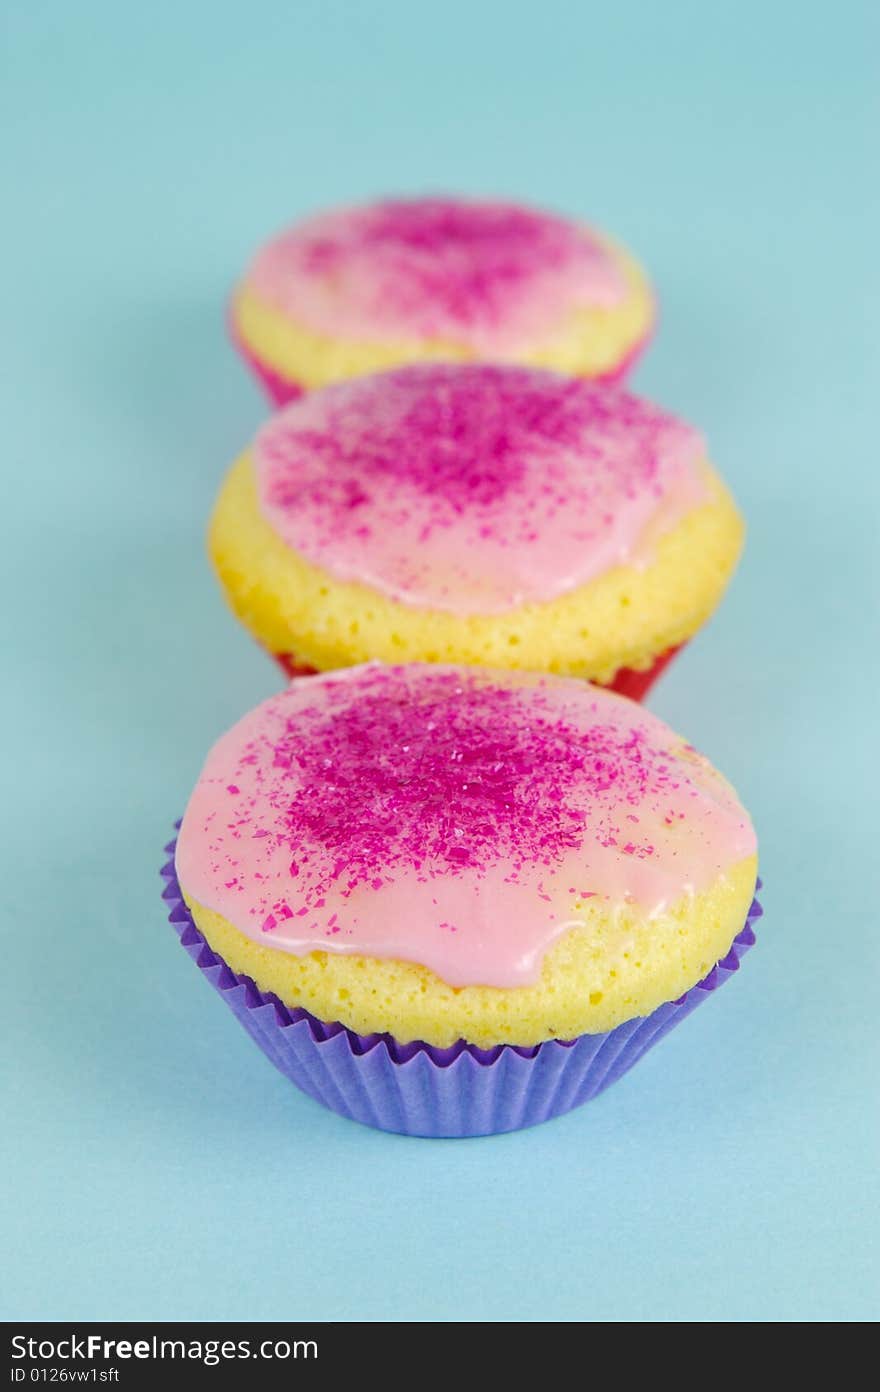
{"x":157,"y":1167}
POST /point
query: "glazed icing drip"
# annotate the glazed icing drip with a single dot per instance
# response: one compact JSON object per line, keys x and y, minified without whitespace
{"x":494,"y":276}
{"x":449,"y":817}
{"x":474,"y":489}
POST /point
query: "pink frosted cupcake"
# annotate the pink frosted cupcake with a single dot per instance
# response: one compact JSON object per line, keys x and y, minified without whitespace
{"x":366,"y":288}
{"x":478,"y":513}
{"x":451,"y":902}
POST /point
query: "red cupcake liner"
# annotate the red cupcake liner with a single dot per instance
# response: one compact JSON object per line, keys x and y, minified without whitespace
{"x":279,"y":389}
{"x":282,"y":390}
{"x":627,"y":682}
{"x":636,"y":685}
{"x":618,"y":374}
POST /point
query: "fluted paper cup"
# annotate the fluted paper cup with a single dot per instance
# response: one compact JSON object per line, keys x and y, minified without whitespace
{"x":419,"y":1090}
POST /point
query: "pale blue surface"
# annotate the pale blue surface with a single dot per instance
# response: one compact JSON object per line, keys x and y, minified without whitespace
{"x":157,"y":1165}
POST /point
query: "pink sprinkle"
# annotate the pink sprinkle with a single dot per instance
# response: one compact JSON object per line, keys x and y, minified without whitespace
{"x":386,"y":788}
{"x":473,"y":486}
{"x":490,"y":273}
{"x":453,"y":773}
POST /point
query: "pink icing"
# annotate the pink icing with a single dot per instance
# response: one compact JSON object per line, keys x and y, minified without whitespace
{"x":450,"y":817}
{"x":497,"y":277}
{"x":474,"y":488}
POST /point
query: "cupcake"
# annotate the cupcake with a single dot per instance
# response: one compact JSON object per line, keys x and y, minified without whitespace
{"x":363,"y":289}
{"x":450,"y":901}
{"x":476,"y":513}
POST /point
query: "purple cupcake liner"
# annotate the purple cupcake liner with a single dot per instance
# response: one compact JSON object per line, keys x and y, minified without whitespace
{"x":419,"y":1090}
